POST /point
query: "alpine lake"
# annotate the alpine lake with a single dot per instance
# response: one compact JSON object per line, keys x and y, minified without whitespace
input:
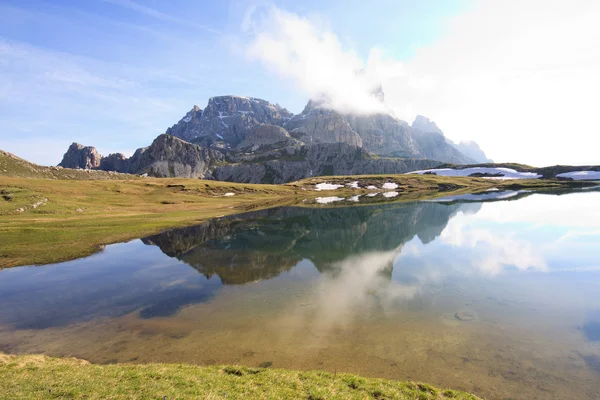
{"x":498,"y":295}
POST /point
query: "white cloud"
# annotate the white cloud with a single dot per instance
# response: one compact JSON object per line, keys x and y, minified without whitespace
{"x":316,"y":61}
{"x":491,"y":252}
{"x":520,"y":78}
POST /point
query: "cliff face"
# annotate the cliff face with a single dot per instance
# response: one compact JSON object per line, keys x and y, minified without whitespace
{"x":383,"y":134}
{"x":317,"y":125}
{"x":169,"y":156}
{"x":80,"y":156}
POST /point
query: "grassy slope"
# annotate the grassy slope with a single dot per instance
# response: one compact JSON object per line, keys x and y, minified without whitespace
{"x":13,"y":166}
{"x":40,"y":377}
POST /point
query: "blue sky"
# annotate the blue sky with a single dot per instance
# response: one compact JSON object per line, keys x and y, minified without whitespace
{"x":116,"y":73}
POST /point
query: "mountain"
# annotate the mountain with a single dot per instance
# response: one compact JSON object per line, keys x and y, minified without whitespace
{"x":472,"y":150}
{"x":468,"y":149}
{"x":277,"y":158}
{"x":226,"y":120}
{"x":245,"y":139}
{"x":379,"y":133}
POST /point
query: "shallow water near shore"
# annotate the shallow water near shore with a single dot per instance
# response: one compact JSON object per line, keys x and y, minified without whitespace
{"x":500,"y":298}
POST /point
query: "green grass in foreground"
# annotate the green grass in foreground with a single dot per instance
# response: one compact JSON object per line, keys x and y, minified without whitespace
{"x":41,"y":377}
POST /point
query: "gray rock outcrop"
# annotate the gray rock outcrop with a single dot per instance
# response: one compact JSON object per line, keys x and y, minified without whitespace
{"x":80,"y":156}
{"x":167,"y":156}
{"x":115,"y":162}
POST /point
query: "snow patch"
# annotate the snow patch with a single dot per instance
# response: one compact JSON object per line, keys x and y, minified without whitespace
{"x":187,"y":118}
{"x":229,"y":194}
{"x":581,"y":175}
{"x":506,"y":173}
{"x":373,"y":194}
{"x":389,"y":195}
{"x":355,"y":199}
{"x":219,"y":136}
{"x":327,"y":186}
{"x":327,"y":200}
{"x":353,"y":185}
{"x":221,"y":116}
{"x":371,"y":187}
{"x":389,"y":185}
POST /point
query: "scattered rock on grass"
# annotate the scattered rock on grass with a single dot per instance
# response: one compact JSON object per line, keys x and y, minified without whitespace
{"x":40,"y":203}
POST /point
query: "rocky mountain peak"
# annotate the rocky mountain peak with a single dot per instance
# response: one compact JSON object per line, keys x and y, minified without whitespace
{"x":424,"y":124}
{"x":226,"y":120}
{"x":229,"y":106}
{"x":472,"y":150}
{"x":80,"y":156}
{"x":378,"y":93}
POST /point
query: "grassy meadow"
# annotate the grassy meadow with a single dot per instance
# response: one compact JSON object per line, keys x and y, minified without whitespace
{"x":41,"y":377}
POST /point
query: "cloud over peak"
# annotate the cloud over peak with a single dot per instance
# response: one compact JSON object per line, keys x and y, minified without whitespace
{"x":315,"y":60}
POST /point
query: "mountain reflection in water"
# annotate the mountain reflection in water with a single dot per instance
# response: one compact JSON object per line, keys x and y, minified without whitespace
{"x":263,"y":244}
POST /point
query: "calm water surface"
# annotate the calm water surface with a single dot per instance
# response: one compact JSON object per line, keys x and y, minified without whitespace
{"x":501,"y":298}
